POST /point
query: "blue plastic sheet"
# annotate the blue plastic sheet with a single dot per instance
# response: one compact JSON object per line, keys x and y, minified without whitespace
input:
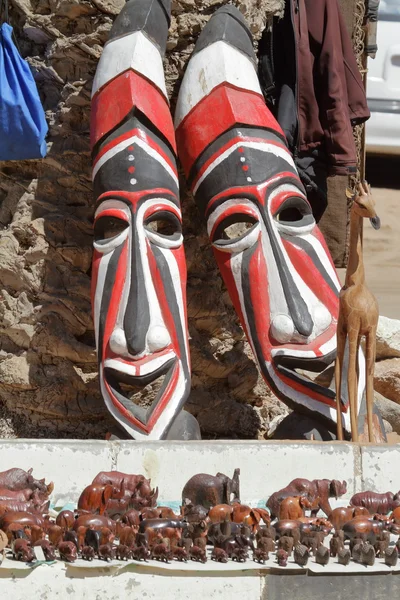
{"x":23,"y":126}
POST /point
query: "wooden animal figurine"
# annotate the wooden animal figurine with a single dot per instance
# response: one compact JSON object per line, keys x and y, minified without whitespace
{"x":367,"y":554}
{"x":341,"y":515}
{"x":88,"y":553}
{"x":322,"y":556}
{"x":335,"y":545}
{"x":94,"y":521}
{"x":123,"y":552}
{"x":180,"y":554}
{"x":22,"y":550}
{"x":395,"y":516}
{"x":312,"y":490}
{"x":363,"y":526}
{"x":55,"y":534}
{"x":65,"y":519}
{"x":391,"y":556}
{"x":282,"y":557}
{"x":239,"y":554}
{"x":344,"y":556}
{"x":210,"y":490}
{"x":141,"y":553}
{"x":266,"y":544}
{"x":358,"y":317}
{"x":376,"y":503}
{"x":107,"y":552}
{"x":286,"y":543}
{"x":18,"y":479}
{"x":301,"y":554}
{"x":198,"y":554}
{"x":67,"y":551}
{"x":260,"y":556}
{"x":48,"y":549}
{"x":293,"y":507}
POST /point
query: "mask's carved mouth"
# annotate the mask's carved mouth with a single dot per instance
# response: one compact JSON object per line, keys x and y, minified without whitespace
{"x":293,"y":367}
{"x":139,"y":395}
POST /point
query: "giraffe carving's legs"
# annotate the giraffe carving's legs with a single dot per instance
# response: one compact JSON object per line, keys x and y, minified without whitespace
{"x":352,"y":381}
{"x":370,"y":351}
{"x":341,"y":344}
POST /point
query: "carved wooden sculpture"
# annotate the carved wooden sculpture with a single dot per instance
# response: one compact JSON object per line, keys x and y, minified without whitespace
{"x":270,"y":252}
{"x":139,"y":269}
{"x":358,"y":317}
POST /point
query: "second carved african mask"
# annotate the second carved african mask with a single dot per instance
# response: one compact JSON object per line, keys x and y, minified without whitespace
{"x":269,"y":249}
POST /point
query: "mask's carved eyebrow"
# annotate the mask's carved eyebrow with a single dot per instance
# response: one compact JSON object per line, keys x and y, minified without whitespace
{"x":235,"y":195}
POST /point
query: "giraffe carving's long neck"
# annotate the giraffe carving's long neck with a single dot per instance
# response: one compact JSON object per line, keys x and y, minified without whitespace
{"x":355,"y":269}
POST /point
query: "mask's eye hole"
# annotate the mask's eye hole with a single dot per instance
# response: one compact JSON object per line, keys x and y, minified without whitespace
{"x":234,"y":227}
{"x":295,"y":212}
{"x":106,"y":228}
{"x":164,"y":223}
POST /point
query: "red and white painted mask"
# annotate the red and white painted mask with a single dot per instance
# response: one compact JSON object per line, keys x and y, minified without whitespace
{"x":139,"y":269}
{"x":270,"y":252}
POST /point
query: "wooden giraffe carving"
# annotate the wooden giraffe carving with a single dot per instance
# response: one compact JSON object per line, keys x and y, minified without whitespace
{"x":358,"y":317}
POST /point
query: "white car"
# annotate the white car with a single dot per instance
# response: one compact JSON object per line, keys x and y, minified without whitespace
{"x":383,"y":83}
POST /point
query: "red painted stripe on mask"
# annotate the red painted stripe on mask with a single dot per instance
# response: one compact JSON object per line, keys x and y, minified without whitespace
{"x":223,"y":108}
{"x":116,"y":100}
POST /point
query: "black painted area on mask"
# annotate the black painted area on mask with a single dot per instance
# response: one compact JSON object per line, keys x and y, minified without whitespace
{"x":227,"y":25}
{"x":152,"y":17}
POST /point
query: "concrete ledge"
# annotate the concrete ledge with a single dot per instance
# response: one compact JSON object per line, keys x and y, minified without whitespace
{"x":265,"y":466}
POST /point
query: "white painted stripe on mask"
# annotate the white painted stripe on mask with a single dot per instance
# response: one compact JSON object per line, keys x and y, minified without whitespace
{"x":329,"y":346}
{"x":139,"y":370}
{"x":262,"y":146}
{"x":216,"y":64}
{"x":316,"y":244}
{"x":176,"y":282}
{"x":134,"y":51}
{"x":101,"y":278}
{"x":124,"y":144}
{"x":292,"y":352}
{"x":236,"y":268}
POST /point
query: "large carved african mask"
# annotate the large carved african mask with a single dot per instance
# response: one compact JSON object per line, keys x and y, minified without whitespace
{"x":139,"y":270}
{"x":271,"y":254}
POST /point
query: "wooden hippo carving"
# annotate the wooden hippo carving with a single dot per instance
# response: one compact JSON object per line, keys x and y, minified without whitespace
{"x":209,"y":490}
{"x":363,"y":526}
{"x":322,"y":488}
{"x":381,"y":504}
{"x":341,"y":515}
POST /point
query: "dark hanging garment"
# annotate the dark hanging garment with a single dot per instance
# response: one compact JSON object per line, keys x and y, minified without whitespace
{"x":311,"y":80}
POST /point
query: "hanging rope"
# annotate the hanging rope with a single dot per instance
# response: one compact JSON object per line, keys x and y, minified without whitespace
{"x":359,"y":32}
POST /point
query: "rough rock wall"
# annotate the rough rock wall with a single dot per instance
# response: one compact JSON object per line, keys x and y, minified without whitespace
{"x":48,"y":369}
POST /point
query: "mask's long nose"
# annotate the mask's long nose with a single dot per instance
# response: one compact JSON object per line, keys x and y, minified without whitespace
{"x":137,"y":312}
{"x":298,"y":310}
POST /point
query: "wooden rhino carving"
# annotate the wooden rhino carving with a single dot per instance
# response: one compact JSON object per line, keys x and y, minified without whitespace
{"x":210,"y":490}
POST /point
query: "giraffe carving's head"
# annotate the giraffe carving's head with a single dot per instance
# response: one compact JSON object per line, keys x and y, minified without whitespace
{"x":364,"y":204}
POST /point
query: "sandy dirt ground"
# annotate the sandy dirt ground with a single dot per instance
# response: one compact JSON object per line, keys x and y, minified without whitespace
{"x":382,"y":248}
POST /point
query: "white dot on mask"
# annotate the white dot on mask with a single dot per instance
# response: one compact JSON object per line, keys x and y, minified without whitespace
{"x":133,"y":181}
{"x":131,"y":157}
